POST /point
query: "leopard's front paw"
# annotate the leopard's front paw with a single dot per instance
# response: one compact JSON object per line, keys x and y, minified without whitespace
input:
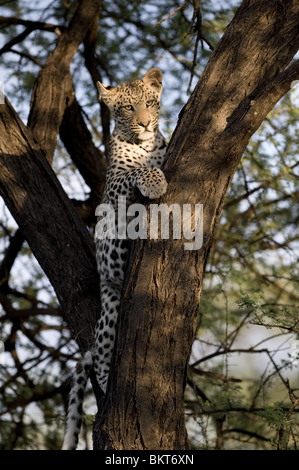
{"x":153,"y":185}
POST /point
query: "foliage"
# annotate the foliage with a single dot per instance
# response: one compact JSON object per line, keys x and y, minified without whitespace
{"x":249,"y":306}
{"x":242,"y":382}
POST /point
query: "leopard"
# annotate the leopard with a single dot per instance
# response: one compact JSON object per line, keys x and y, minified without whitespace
{"x":137,"y":152}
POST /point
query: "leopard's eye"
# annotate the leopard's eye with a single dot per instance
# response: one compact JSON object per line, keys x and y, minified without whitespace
{"x":129,"y":107}
{"x":149,"y":103}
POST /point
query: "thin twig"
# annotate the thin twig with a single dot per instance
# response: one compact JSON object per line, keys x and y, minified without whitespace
{"x":196,"y":24}
{"x":171,"y":14}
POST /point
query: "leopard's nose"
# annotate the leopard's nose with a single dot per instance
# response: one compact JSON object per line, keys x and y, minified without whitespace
{"x":143,"y":123}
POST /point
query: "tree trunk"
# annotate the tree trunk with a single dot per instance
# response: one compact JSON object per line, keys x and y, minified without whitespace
{"x":246,"y":76}
{"x":53,"y":88}
{"x":56,"y":235}
{"x":32,"y":192}
{"x":244,"y":79}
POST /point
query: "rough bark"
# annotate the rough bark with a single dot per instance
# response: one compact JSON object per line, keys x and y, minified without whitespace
{"x":246,"y":76}
{"x":32,"y":192}
{"x":54,"y":83}
{"x":56,"y":235}
{"x":77,"y":139}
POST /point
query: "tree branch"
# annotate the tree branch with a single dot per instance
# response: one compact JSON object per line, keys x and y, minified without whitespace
{"x":9,"y":259}
{"x":56,"y":235}
{"x":32,"y":25}
{"x":163,"y":282}
{"x":54,"y":82}
{"x":19,"y":38}
{"x":172,"y":13}
{"x":78,"y":141}
{"x":92,"y":67}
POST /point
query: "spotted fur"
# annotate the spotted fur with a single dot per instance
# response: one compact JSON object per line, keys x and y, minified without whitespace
{"x":137,"y":150}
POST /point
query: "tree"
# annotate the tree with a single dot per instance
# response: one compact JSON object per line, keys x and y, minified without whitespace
{"x":241,"y":84}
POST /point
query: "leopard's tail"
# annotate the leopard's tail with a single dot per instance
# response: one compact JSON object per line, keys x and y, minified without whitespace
{"x":74,"y":415}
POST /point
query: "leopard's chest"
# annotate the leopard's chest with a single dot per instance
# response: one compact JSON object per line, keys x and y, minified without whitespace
{"x":125,"y":159}
{"x":126,"y":155}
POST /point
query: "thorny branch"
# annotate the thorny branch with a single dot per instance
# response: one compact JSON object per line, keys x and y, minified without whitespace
{"x":196,"y":25}
{"x":171,"y":14}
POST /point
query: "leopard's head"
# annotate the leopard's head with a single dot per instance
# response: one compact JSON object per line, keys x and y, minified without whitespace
{"x":135,"y":105}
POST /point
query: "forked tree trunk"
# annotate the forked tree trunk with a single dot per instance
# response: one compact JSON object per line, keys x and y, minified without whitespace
{"x":48,"y":221}
{"x":32,"y":192}
{"x":247,"y":74}
{"x":244,"y":79}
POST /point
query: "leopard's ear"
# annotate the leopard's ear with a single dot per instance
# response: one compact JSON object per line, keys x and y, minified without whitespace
{"x":153,"y":78}
{"x":105,"y":93}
